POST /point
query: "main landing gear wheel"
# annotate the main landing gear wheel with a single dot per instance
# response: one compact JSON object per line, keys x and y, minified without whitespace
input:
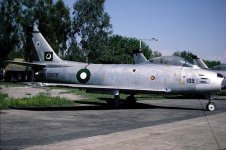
{"x":211,"y":106}
{"x":116,"y":102}
{"x":131,"y":100}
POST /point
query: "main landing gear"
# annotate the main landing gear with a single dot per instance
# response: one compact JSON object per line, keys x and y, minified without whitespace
{"x":116,"y":101}
{"x":130,"y":100}
{"x":211,"y":106}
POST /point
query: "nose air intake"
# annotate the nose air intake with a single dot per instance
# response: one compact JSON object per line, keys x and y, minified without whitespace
{"x":220,"y":75}
{"x":209,"y":81}
{"x":223,"y":82}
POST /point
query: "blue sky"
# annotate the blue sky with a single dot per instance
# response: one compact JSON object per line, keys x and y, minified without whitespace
{"x":198,"y":26}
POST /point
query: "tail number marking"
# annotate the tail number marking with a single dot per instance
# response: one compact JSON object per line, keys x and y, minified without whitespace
{"x":52,"y":75}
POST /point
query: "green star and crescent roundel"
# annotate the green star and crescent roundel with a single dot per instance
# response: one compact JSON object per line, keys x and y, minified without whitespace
{"x":83,"y":75}
{"x":48,"y":56}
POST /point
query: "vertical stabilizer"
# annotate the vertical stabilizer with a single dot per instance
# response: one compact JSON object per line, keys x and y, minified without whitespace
{"x":44,"y":51}
{"x":139,"y":58}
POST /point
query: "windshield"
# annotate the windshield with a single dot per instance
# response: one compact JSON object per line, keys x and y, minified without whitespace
{"x":187,"y":64}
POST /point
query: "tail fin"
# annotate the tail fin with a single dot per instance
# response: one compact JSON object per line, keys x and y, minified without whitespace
{"x":199,"y":62}
{"x":44,"y":51}
{"x":139,"y":58}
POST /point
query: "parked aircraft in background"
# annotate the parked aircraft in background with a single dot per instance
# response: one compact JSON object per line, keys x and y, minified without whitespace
{"x":122,"y":78}
{"x":220,"y":69}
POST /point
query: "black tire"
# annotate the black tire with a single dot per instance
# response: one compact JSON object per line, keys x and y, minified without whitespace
{"x":131,"y":100}
{"x":211,"y":106}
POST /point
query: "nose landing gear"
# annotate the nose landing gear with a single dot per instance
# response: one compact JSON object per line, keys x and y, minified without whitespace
{"x":210,"y":106}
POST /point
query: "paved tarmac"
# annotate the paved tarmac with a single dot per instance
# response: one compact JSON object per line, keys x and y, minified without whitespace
{"x":157,"y":124}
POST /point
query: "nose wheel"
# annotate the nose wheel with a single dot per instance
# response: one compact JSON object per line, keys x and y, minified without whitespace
{"x":211,"y":106}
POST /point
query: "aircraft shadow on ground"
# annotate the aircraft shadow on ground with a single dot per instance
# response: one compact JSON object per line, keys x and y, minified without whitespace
{"x":84,"y":105}
{"x":194,"y":97}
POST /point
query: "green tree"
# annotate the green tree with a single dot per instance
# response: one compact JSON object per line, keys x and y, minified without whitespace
{"x":156,"y":54}
{"x":212,"y":63}
{"x":59,"y":26}
{"x":91,"y":26}
{"x":185,"y":54}
{"x":74,"y":53}
{"x":120,"y":50}
{"x":9,"y":32}
{"x":53,"y":20}
{"x":17,"y":18}
{"x":189,"y":56}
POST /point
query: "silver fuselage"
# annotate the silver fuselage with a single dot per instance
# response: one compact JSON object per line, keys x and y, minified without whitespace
{"x":140,"y":77}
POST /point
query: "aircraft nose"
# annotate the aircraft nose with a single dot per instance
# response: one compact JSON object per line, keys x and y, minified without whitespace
{"x":223,"y":83}
{"x":217,"y":81}
{"x":209,"y":82}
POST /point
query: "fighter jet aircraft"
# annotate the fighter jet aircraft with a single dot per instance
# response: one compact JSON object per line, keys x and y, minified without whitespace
{"x":122,"y":78}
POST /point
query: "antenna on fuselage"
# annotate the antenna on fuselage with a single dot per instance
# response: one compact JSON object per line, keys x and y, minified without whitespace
{"x":152,"y":39}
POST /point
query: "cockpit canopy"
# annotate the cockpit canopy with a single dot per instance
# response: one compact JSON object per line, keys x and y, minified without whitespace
{"x":172,"y":60}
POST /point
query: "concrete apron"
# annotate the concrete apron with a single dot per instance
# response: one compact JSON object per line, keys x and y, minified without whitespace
{"x":188,"y":134}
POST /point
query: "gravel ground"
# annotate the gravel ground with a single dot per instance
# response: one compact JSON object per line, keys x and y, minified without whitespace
{"x":29,"y":91}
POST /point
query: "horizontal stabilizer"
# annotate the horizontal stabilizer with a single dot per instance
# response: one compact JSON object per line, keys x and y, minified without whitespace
{"x":35,"y":66}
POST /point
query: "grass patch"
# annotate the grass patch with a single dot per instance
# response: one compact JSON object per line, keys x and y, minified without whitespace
{"x":40,"y":100}
{"x":11,"y":84}
{"x":3,"y":101}
{"x":222,"y":92}
{"x":91,"y":97}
